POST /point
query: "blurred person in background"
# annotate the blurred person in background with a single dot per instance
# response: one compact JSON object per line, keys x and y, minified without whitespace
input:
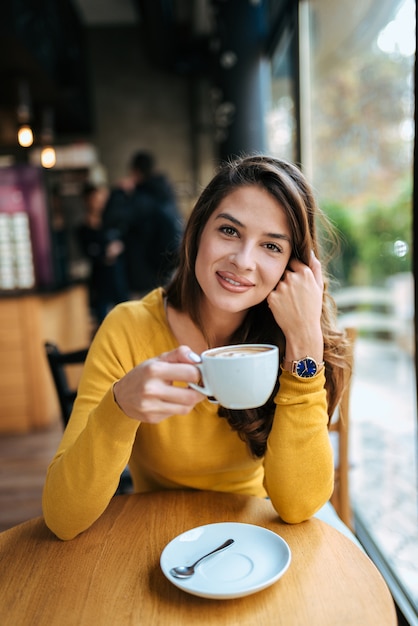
{"x":143,"y":209}
{"x":104,"y":251}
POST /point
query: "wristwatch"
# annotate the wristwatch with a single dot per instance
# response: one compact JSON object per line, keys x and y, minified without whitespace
{"x":303,"y":368}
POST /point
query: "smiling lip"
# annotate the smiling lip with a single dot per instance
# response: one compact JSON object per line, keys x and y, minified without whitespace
{"x":231,"y":282}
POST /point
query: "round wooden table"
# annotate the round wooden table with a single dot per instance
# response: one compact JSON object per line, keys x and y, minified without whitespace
{"x":110,"y":575}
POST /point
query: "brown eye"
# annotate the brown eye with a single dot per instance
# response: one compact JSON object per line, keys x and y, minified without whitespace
{"x":229,"y":230}
{"x":273,"y":247}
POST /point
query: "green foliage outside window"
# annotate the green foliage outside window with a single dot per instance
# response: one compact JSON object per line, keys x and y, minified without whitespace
{"x":373,"y":244}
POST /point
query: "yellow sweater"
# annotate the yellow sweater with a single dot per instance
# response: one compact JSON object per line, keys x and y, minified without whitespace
{"x":194,"y":451}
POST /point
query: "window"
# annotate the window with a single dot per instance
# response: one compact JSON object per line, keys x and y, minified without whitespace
{"x":281,"y":122}
{"x":356,"y":63}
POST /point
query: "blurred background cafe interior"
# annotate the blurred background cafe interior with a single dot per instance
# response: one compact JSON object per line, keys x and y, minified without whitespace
{"x":84,"y":84}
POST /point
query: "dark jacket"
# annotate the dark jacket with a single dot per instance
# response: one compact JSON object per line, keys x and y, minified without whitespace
{"x":107,"y":281}
{"x":149,"y":223}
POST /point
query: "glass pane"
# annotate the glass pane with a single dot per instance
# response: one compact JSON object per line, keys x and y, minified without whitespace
{"x":360,"y":152}
{"x":281,"y":117}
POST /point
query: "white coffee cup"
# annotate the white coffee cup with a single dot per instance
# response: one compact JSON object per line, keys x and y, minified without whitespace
{"x":241,"y":376}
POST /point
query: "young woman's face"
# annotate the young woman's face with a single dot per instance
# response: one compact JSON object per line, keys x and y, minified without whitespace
{"x":243,"y":251}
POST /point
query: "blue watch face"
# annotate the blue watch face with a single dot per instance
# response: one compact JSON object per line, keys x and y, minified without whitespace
{"x":306,"y":368}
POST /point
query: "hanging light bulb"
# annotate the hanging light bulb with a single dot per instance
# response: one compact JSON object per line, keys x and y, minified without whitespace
{"x":24,"y":133}
{"x":48,"y":155}
{"x":25,"y":136}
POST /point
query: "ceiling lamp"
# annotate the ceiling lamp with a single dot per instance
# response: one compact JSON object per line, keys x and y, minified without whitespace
{"x":25,"y":136}
{"x":24,"y":133}
{"x":48,"y":155}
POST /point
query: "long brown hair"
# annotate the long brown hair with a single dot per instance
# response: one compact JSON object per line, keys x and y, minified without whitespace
{"x":286,"y":183}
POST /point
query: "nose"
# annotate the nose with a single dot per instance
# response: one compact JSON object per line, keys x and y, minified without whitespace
{"x":243,"y":257}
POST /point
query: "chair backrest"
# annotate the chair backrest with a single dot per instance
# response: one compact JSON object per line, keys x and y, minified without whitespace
{"x":340,"y":499}
{"x":58,"y":363}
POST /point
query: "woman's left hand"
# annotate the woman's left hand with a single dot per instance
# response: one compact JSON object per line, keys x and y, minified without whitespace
{"x":296,"y":304}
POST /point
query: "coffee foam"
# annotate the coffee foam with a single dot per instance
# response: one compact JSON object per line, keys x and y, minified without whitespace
{"x":237,"y":352}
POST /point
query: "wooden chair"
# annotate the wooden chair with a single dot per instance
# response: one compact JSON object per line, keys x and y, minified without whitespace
{"x":59,"y":363}
{"x":340,"y":423}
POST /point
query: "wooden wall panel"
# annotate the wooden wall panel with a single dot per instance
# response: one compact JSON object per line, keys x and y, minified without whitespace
{"x":27,"y":393}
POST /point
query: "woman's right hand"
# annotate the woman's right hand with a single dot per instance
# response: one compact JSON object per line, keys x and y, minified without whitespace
{"x":147,"y":393}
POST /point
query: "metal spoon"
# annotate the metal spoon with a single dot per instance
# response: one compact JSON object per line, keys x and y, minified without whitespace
{"x":185,"y":571}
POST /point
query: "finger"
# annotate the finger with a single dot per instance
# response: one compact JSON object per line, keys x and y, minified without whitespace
{"x":162,"y":369}
{"x":170,"y":401}
{"x":316,"y":268}
{"x":182,"y":396}
{"x":182,"y":354}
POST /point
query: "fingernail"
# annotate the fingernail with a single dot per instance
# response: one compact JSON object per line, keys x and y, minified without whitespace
{"x":194,"y":357}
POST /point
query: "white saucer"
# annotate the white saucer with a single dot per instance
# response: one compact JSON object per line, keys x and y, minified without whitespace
{"x":257,"y":558}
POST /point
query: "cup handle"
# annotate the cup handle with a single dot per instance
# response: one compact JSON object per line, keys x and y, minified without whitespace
{"x":202,"y":389}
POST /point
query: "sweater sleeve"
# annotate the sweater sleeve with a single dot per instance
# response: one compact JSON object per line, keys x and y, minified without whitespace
{"x":84,"y":473}
{"x":298,"y":465}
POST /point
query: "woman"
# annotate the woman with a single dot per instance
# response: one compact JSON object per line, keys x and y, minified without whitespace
{"x":248,"y":272}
